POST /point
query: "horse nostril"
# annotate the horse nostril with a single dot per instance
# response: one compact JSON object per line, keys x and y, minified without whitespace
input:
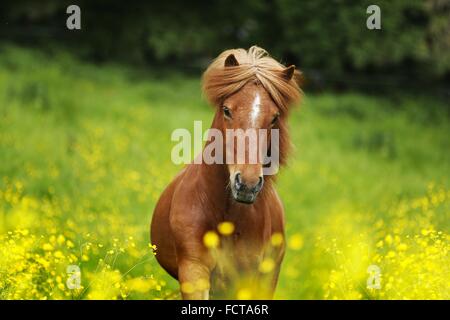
{"x":260,"y":183}
{"x":238,"y":182}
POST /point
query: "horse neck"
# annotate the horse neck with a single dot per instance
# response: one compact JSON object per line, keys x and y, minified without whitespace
{"x":216,"y":171}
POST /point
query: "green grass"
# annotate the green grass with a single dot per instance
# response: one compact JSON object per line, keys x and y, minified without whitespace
{"x":90,"y":145}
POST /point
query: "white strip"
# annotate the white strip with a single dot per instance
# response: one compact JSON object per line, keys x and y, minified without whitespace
{"x":255,"y":108}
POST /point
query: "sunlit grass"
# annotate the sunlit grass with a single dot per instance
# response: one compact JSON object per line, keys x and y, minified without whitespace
{"x":85,"y":154}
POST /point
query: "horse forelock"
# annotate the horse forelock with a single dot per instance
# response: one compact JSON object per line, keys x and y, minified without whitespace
{"x":255,"y":64}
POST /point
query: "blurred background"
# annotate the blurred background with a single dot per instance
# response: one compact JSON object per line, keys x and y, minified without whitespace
{"x":86,"y":117}
{"x":327,"y":39}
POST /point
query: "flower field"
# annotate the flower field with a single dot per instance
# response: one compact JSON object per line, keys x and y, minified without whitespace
{"x":85,"y":153}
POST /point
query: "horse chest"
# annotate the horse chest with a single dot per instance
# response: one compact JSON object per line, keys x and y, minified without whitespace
{"x":252,"y":229}
{"x":242,"y":250}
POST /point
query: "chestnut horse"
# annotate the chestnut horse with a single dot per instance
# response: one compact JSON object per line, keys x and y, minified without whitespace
{"x":250,"y":90}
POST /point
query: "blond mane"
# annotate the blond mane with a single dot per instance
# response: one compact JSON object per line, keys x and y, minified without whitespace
{"x":255,"y":63}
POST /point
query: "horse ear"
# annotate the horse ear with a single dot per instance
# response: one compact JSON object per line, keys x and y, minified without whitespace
{"x":289,"y":72}
{"x":231,"y":61}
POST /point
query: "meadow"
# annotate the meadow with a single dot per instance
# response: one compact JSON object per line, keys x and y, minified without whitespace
{"x":85,"y":153}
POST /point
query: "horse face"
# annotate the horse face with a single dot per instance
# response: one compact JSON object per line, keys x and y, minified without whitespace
{"x":244,"y":114}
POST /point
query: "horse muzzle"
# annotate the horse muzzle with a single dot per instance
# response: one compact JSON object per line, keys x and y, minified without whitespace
{"x":243,"y":192}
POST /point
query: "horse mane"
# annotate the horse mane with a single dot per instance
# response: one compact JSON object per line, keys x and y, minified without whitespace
{"x":255,"y":63}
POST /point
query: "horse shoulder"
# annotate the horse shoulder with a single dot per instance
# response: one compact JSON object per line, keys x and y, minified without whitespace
{"x":187,"y":219}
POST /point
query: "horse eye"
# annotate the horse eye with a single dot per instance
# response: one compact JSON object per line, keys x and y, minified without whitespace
{"x":275,"y":119}
{"x":226,"y":112}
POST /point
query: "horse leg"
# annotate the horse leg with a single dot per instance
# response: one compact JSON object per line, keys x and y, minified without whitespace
{"x":274,"y":281}
{"x":276,"y":272}
{"x":194,"y":279}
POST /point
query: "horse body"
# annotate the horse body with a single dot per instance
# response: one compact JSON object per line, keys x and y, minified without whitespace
{"x":252,"y":91}
{"x":181,"y":218}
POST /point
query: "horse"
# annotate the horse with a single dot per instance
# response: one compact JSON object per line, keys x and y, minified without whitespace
{"x":249,"y":90}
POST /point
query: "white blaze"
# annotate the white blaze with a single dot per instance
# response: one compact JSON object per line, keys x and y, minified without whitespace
{"x":255,"y":108}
